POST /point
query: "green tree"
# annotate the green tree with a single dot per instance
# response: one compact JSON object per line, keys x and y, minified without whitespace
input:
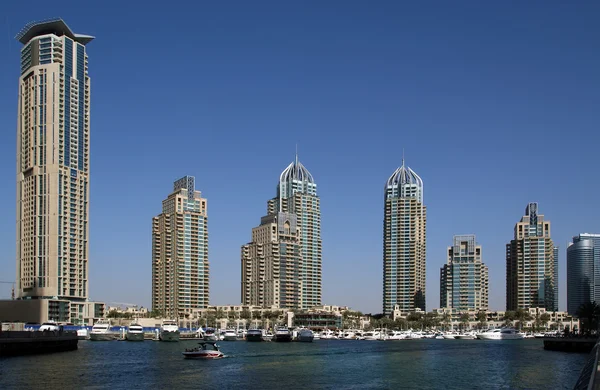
{"x":256,"y":316}
{"x":522,"y":315}
{"x":446,"y":320}
{"x":400,"y":324}
{"x":482,"y":318}
{"x":464,"y":320}
{"x":588,"y":314}
{"x":246,"y":315}
{"x":509,"y":317}
{"x":220,"y":314}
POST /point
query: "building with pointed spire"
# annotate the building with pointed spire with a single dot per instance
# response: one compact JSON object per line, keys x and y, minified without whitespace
{"x":180,"y":252}
{"x":404,"y":241}
{"x":530,"y":263}
{"x":464,"y":278}
{"x":281,"y":266}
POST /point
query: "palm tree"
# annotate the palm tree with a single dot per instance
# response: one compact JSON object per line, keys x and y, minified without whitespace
{"x":544,"y":318}
{"x":257,"y":316}
{"x":446,"y":320}
{"x":245,"y":315}
{"x":482,"y":318}
{"x":522,"y":315}
{"x":509,"y":317}
{"x":589,"y":313}
{"x":464,"y":320}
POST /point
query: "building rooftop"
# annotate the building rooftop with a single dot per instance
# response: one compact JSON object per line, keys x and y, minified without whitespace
{"x":296,"y":171}
{"x":55,"y":26}
{"x":404,"y":175}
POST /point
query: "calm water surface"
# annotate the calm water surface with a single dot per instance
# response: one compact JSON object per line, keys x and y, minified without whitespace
{"x":323,"y":364}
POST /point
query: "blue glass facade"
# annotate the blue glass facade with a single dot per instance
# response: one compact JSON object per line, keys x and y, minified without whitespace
{"x":583,"y":271}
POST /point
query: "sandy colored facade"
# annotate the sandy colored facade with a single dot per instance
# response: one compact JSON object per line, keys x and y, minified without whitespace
{"x":404,"y":242}
{"x":180,"y":267}
{"x":53,"y":182}
{"x":282,"y":264}
{"x":530,"y":263}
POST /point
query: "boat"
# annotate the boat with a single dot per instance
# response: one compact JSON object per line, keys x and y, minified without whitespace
{"x":395,"y":335}
{"x":328,"y":334}
{"x":500,"y":334}
{"x":135,"y":332}
{"x":169,"y":331}
{"x":209,"y":335}
{"x":466,"y":336}
{"x":439,"y":336}
{"x":205,"y":350}
{"x":316,"y":336}
{"x":372,"y":336}
{"x":254,"y":335}
{"x":539,"y":335}
{"x":101,"y":331}
{"x":49,"y":326}
{"x":83,"y":334}
{"x":450,"y":335}
{"x":305,"y":335}
{"x":282,"y":334}
{"x":268,"y":336}
{"x":229,"y":335}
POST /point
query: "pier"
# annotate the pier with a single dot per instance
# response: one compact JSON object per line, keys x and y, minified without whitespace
{"x":15,"y":343}
{"x":570,"y":344}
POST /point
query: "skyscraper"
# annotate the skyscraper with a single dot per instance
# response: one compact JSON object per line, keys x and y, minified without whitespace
{"x":404,"y":242}
{"x":464,"y":279}
{"x":530,"y":263}
{"x":180,"y":252}
{"x":53,"y":181}
{"x":555,"y":278}
{"x":583,"y":271}
{"x":282,"y":264}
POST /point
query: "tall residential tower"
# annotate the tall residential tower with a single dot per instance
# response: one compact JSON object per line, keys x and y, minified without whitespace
{"x":530,"y":263}
{"x":404,"y":242}
{"x":464,"y":279}
{"x":180,"y":252}
{"x":583,"y":271}
{"x":53,"y":180}
{"x":281,"y":267}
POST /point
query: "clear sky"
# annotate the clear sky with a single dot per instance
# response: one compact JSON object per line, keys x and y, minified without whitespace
{"x":496,"y":104}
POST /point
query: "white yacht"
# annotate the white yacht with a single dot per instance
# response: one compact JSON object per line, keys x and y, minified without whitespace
{"x":135,"y":332}
{"x":169,"y":331}
{"x":83,"y":334}
{"x":101,"y":331}
{"x":450,"y":335}
{"x":316,"y":336}
{"x":395,"y":335}
{"x":372,"y":336}
{"x":466,"y":336}
{"x":328,"y":334}
{"x":349,"y":335}
{"x":500,"y":334}
{"x":229,"y":335}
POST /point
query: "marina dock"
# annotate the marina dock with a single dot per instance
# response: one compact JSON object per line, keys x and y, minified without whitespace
{"x":570,"y":344}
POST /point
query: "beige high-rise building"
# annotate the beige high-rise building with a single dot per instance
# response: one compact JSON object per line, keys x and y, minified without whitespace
{"x":180,"y":252}
{"x":282,"y":265}
{"x":464,"y":278}
{"x":270,"y":263}
{"x":53,"y":181}
{"x":530,"y":263}
{"x":404,"y":242}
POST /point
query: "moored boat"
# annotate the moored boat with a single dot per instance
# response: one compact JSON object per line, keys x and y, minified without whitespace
{"x":282,"y":335}
{"x":135,"y":332}
{"x":169,"y":331}
{"x":500,"y":334}
{"x":305,"y":335}
{"x":101,"y":331}
{"x":83,"y":334}
{"x":205,"y":350}
{"x":254,"y":335}
{"x":229,"y":335}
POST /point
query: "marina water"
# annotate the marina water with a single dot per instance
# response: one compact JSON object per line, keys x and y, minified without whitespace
{"x":323,"y":364}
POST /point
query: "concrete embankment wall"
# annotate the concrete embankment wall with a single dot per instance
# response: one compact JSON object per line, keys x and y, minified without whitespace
{"x":14,"y":343}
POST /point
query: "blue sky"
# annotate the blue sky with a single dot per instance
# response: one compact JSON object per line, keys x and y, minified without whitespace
{"x":495,"y":105}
